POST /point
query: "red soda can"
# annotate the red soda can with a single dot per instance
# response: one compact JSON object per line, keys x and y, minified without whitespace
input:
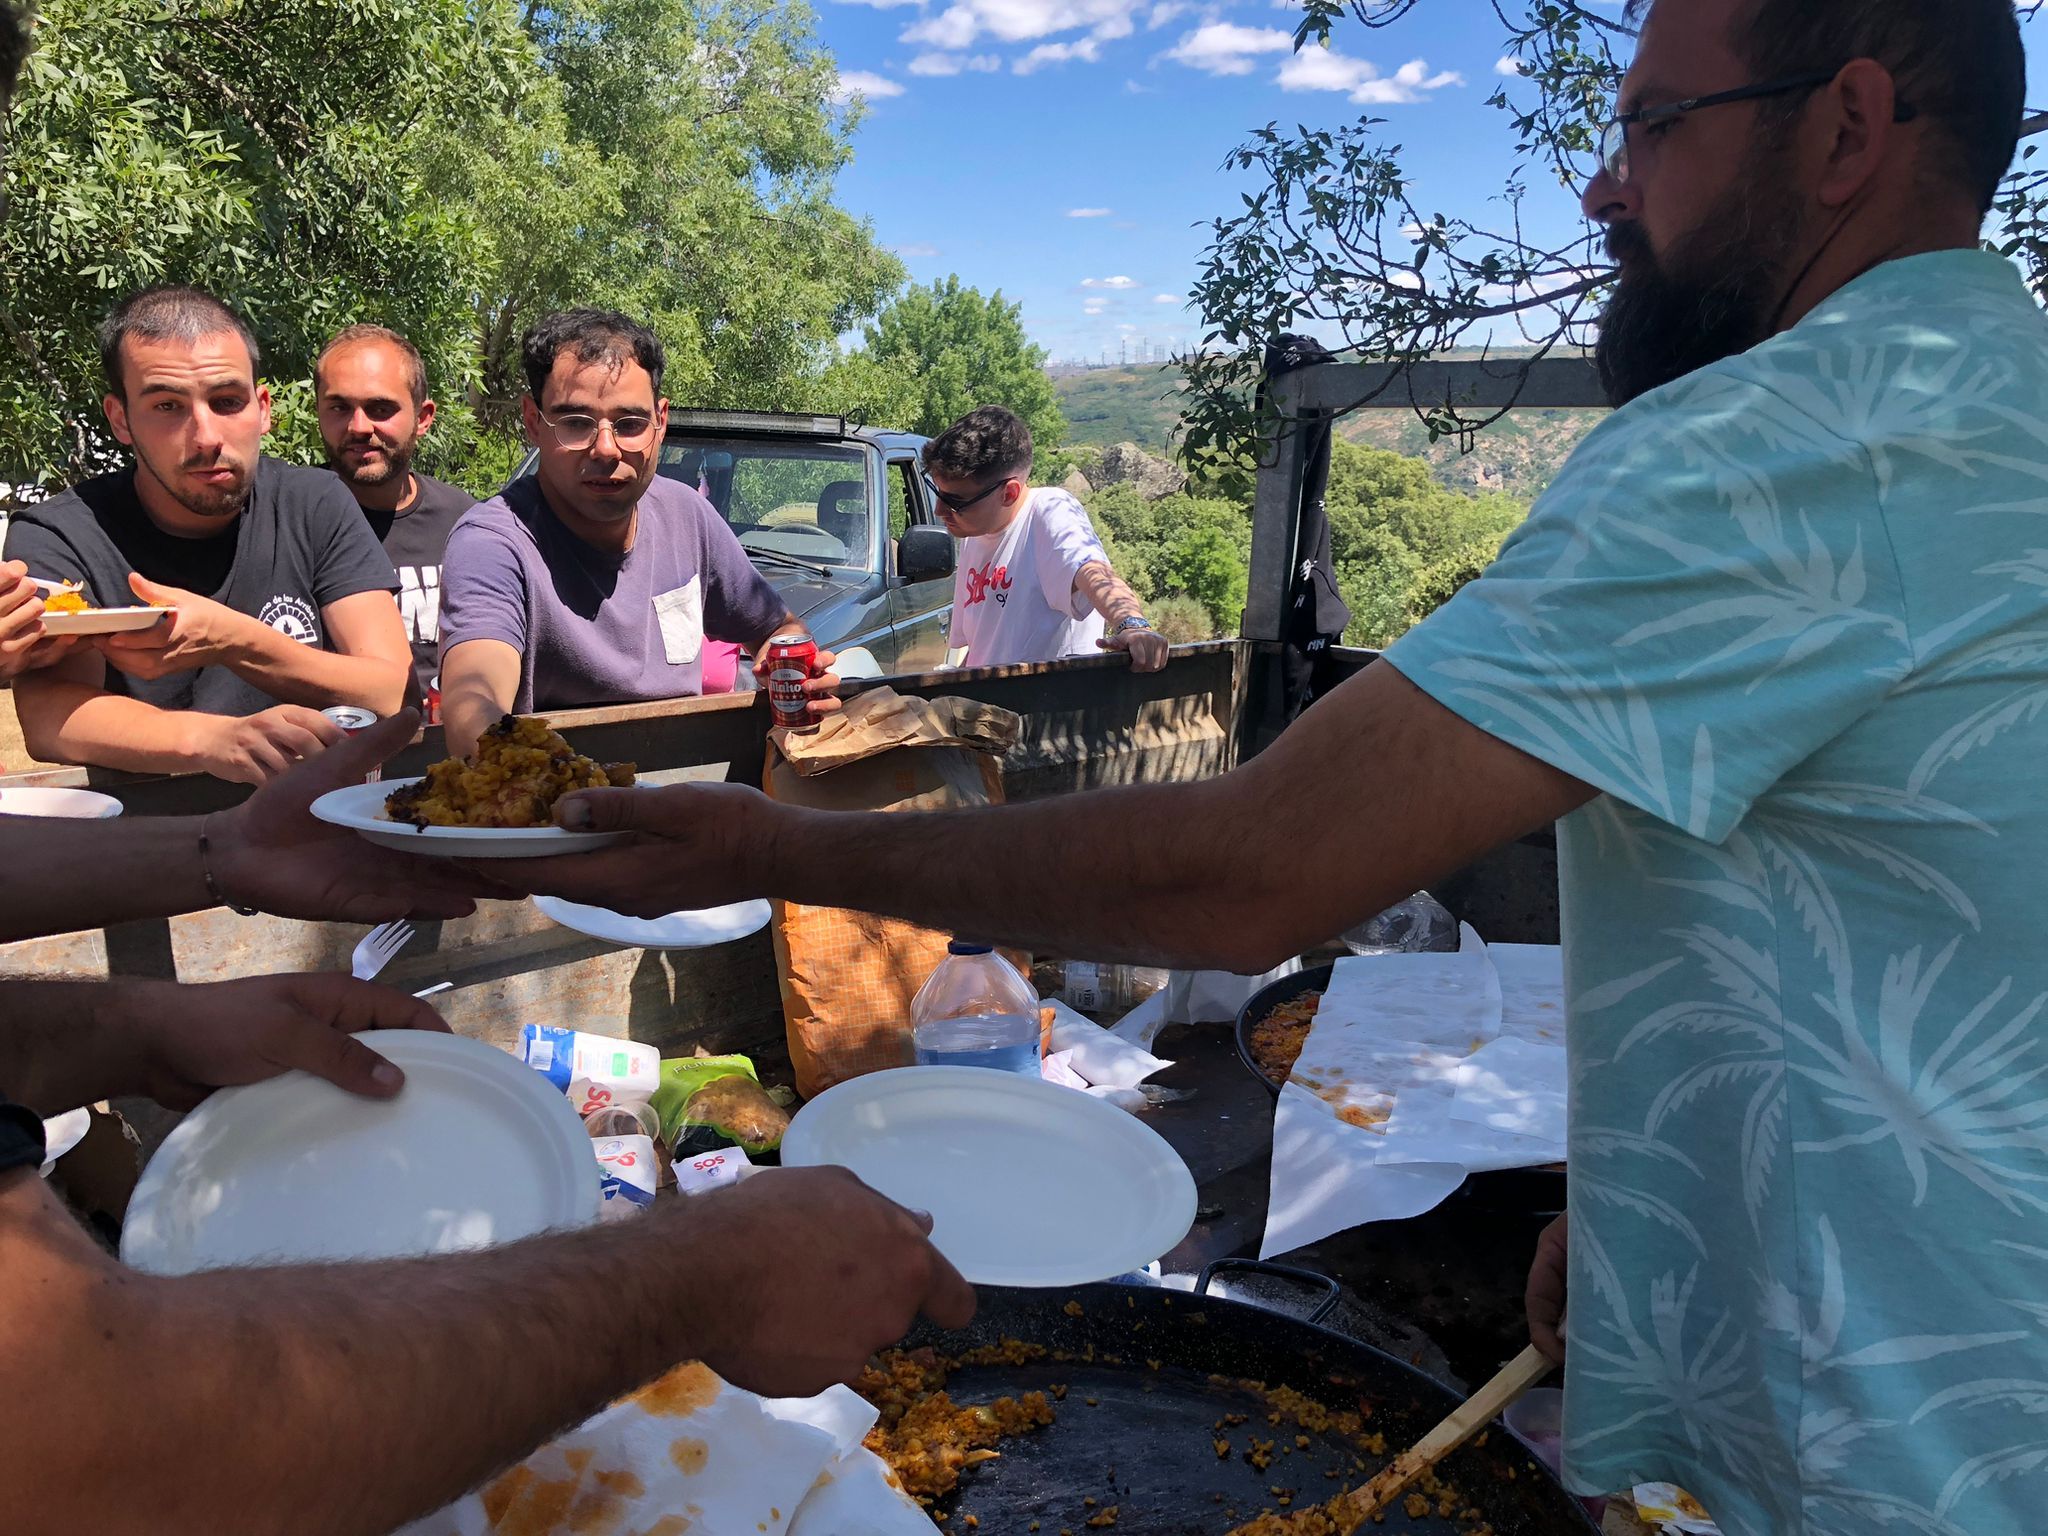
{"x":352,"y":719}
{"x":431,"y":715}
{"x":792,"y":658}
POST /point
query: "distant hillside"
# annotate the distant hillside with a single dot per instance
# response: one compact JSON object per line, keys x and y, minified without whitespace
{"x":1520,"y":453}
{"x":1121,"y":405}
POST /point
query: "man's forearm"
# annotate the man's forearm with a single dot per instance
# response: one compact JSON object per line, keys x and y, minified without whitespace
{"x":1109,"y":594}
{"x":60,"y":1046}
{"x":1239,"y":872}
{"x":1162,"y":874}
{"x":295,"y":673}
{"x":67,"y":722}
{"x":156,"y":858}
{"x":301,"y":1399}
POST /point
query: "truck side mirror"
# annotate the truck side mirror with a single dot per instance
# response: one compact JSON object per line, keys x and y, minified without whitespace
{"x":924,"y":554}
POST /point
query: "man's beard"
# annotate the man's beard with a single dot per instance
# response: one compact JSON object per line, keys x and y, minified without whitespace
{"x":396,"y":466}
{"x":1718,"y":293}
{"x":219,"y":503}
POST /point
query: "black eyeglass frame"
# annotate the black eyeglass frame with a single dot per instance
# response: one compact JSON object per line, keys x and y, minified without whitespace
{"x":959,"y":503}
{"x":1614,"y":136}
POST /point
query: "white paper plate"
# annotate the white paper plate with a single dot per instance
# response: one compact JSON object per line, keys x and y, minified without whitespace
{"x":1028,"y":1183}
{"x":361,"y":808}
{"x":678,"y":930}
{"x":74,"y":804}
{"x":477,"y":1149}
{"x":103,"y":621}
{"x":63,"y":1132}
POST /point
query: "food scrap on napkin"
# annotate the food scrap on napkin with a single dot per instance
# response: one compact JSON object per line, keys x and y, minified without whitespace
{"x":690,"y":1453}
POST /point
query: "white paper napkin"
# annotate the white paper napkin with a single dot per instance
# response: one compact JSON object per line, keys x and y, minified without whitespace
{"x":1515,"y":1086}
{"x":692,"y":1447}
{"x":1452,"y":1001}
{"x":1325,"y":1178}
{"x":1100,"y":1058}
{"x":1531,"y":990}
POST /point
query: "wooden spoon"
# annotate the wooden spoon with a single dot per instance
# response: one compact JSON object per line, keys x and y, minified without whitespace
{"x":1465,"y":1421}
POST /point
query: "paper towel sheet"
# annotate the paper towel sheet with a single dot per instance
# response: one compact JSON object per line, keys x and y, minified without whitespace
{"x":1514,"y":1086}
{"x":1451,"y":1001}
{"x":1325,"y":1178}
{"x":690,"y":1448}
{"x":1531,"y":990}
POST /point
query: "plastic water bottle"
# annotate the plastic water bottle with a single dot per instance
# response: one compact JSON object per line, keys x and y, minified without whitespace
{"x":976,"y":1011}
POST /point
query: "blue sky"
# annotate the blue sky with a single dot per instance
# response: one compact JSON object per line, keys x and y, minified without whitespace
{"x":1066,"y":151}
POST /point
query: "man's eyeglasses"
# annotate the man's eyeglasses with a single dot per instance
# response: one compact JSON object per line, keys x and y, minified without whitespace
{"x":1614,"y":137}
{"x":962,"y":503}
{"x":575,"y":431}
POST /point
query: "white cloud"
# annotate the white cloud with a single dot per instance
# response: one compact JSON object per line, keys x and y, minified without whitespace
{"x":1165,"y":298}
{"x":917,"y":250}
{"x":882,"y":5}
{"x":1132,"y":88}
{"x":1512,"y":68}
{"x":1324,"y":69}
{"x":1024,"y":21}
{"x":1127,"y":326}
{"x":1094,"y":306}
{"x":1089,"y":213}
{"x":1225,"y":48}
{"x":1169,"y":10}
{"x":1109,"y":282}
{"x":953,"y":28}
{"x":953,"y":63}
{"x":1085,"y":49}
{"x":861,"y":82}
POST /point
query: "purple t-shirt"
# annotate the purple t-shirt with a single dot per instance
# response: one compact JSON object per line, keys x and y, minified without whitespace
{"x":596,"y":628}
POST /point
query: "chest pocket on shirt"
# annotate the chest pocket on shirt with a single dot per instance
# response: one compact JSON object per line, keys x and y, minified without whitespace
{"x":681,"y":615}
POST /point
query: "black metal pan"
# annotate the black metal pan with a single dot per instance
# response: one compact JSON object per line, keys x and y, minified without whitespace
{"x":1137,"y":1429}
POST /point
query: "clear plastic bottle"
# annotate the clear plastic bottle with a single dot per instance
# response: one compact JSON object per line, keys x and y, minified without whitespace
{"x":976,"y":1011}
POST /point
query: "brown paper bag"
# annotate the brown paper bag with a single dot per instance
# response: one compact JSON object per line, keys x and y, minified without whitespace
{"x":848,"y":977}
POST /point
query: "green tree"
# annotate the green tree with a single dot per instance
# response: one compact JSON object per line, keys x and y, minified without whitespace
{"x":1329,"y":235}
{"x":1400,"y":542}
{"x":264,"y":150}
{"x":674,"y":160}
{"x":936,"y":353}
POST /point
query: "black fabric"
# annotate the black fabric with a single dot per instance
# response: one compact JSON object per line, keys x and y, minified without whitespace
{"x":21,"y":1138}
{"x":1316,"y":615}
{"x":415,"y":539}
{"x":299,"y":545}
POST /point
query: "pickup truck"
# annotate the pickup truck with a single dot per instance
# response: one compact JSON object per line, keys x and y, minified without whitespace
{"x":837,"y":517}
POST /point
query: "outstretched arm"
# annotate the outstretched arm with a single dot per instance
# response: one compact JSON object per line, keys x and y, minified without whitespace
{"x":267,"y":852}
{"x":346,"y":1400}
{"x":1375,"y":793}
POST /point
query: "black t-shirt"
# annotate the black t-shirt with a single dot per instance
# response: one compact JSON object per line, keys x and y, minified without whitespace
{"x":299,"y":545}
{"x":21,"y":1138}
{"x":415,"y":539}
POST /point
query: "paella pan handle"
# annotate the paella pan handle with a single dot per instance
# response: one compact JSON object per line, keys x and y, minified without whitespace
{"x":1333,"y":1292}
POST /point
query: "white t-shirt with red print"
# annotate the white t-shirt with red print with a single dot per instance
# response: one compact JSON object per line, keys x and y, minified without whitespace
{"x":1013,"y":593}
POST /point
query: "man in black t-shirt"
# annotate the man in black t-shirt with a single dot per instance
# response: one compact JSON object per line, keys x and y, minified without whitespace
{"x":371,"y":388}
{"x":283,"y":597}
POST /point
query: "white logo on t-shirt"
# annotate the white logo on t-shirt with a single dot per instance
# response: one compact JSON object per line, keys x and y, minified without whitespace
{"x":419,"y":602}
{"x":292,"y":616}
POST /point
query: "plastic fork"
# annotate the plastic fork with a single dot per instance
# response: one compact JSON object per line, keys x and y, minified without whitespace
{"x":378,"y":948}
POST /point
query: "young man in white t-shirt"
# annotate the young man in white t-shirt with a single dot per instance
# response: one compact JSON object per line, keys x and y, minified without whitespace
{"x":1033,"y":582}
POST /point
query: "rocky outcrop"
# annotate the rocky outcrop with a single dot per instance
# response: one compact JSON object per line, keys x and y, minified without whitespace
{"x":1128,"y":464}
{"x":1077,"y":485}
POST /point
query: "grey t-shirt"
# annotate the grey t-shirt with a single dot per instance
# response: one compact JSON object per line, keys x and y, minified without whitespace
{"x":299,"y":546}
{"x":596,"y":628}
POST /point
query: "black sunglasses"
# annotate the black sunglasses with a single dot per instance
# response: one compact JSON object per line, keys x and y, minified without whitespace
{"x":1614,"y":137}
{"x":962,"y":503}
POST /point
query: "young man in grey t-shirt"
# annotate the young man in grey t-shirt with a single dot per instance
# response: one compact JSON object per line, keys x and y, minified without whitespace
{"x":591,"y":581}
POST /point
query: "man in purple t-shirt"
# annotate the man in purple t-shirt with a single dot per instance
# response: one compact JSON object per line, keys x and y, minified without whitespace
{"x":592,"y":581}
